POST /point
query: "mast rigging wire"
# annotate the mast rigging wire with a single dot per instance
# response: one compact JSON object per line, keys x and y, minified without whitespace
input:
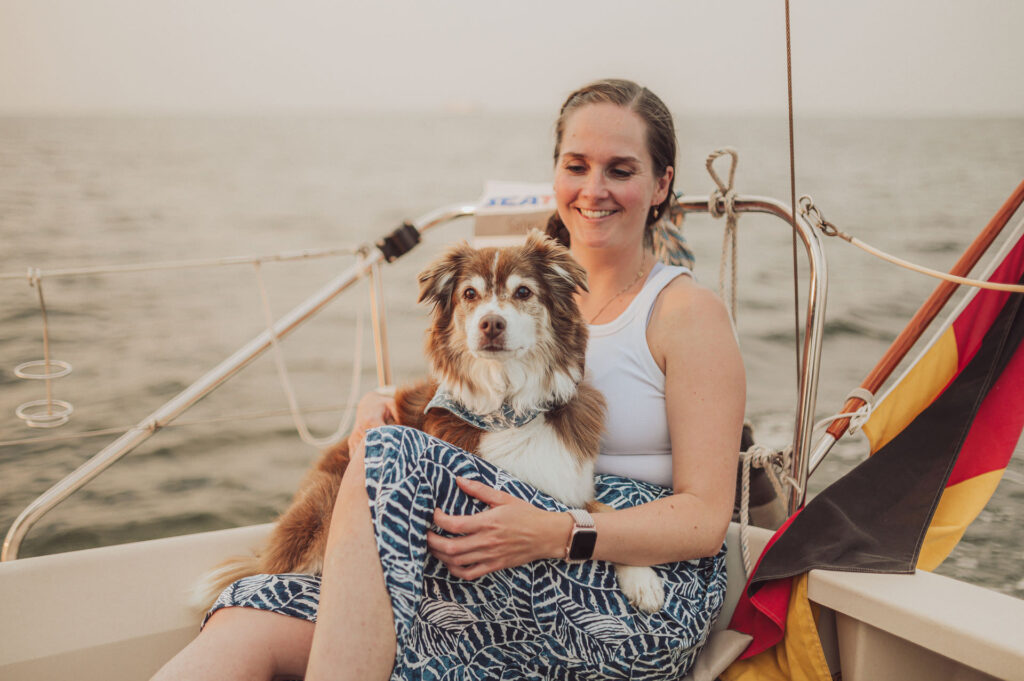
{"x":792,"y":194}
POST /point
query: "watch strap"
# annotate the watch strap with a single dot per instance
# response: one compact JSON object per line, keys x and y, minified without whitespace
{"x":581,"y":518}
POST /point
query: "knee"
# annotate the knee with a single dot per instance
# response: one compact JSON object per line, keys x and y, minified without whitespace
{"x":266,"y":640}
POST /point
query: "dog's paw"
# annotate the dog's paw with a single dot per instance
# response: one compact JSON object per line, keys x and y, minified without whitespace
{"x":642,"y":586}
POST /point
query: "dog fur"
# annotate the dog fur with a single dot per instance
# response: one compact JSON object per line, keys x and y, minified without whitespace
{"x":505,"y":330}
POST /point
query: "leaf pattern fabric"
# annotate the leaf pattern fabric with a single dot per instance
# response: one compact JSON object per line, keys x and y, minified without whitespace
{"x":545,"y":620}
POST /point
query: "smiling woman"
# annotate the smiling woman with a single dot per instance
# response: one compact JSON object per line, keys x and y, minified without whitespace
{"x":615,"y":150}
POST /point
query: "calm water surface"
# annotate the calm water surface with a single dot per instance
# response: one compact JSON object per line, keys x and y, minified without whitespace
{"x":86,"y":192}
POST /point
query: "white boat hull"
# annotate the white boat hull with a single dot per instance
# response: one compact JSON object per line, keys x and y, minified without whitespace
{"x":119,"y":613}
{"x":113,"y":613}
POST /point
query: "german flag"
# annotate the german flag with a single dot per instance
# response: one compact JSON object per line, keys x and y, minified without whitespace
{"x":940,"y":442}
{"x":987,"y":334}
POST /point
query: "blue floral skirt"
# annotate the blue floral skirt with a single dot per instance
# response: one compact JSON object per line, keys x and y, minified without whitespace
{"x":545,"y":620}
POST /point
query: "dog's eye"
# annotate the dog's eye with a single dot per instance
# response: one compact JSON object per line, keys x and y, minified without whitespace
{"x":522,"y":293}
{"x":469,"y":293}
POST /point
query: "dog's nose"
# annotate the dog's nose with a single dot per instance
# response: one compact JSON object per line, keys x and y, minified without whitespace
{"x":492,"y":325}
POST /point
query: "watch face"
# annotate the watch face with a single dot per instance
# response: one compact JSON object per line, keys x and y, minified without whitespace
{"x":583,"y":541}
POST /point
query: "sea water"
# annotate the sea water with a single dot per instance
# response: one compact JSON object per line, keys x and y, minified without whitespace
{"x":104,"y":191}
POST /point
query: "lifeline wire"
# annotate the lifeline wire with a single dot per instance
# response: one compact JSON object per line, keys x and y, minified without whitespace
{"x":308,"y":254}
{"x":809,"y":210}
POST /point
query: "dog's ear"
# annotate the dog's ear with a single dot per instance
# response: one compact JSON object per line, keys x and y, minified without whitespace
{"x":557,"y":260}
{"x":437,"y":282}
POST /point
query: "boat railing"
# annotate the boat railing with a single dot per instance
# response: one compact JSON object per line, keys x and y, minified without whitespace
{"x":368,"y":264}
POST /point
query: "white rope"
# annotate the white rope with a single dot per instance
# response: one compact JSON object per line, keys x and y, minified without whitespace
{"x":282,"y":371}
{"x":776,"y":463}
{"x":727,"y":195}
{"x":811,"y":212}
{"x":728,"y":262}
{"x":991,"y":285}
{"x":857,"y":418}
{"x":286,"y":256}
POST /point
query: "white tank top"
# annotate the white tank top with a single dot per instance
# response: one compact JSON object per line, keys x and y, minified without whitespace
{"x":636,"y":441}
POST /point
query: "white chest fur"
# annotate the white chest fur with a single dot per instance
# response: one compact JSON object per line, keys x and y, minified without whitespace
{"x":535,"y":454}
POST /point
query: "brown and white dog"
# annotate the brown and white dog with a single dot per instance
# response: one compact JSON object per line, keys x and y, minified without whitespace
{"x":506,"y":333}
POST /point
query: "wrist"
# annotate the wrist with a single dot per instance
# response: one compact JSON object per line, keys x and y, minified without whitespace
{"x":561,"y":525}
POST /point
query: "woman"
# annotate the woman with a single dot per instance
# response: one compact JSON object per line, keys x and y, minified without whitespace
{"x":663,"y":352}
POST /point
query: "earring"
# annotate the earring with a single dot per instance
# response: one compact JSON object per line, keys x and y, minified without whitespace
{"x":655,"y":212}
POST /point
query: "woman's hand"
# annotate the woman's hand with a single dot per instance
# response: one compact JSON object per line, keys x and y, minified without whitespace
{"x":373,"y":410}
{"x":511,"y":532}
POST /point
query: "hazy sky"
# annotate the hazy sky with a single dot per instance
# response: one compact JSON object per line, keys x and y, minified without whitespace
{"x":324,"y":56}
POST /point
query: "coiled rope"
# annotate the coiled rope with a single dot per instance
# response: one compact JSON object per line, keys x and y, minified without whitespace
{"x":777,"y":464}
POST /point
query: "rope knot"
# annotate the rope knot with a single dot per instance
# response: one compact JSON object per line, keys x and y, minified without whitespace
{"x":727,"y":201}
{"x":857,"y":418}
{"x":760,"y":456}
{"x":726,"y":196}
{"x":709,"y":164}
{"x":777,"y":464}
{"x":861,"y":416}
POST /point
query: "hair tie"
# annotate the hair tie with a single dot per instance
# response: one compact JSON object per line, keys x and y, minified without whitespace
{"x":669,"y":243}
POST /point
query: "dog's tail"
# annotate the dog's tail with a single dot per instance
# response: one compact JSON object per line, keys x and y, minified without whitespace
{"x":205,"y":592}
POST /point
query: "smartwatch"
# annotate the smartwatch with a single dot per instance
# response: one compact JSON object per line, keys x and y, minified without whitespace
{"x":582,"y":538}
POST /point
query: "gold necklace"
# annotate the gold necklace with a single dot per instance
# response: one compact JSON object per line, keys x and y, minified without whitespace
{"x":640,"y":273}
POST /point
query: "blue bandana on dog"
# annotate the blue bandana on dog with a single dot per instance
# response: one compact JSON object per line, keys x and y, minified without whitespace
{"x":499,"y":419}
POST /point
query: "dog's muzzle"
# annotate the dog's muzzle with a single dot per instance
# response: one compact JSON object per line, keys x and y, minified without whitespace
{"x":492,"y":332}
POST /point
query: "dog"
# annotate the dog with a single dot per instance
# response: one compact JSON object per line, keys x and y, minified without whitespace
{"x":506,"y":337}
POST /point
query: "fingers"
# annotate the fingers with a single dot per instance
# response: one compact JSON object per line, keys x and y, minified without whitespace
{"x":463,"y":557}
{"x":472,"y":552}
{"x":476,"y":522}
{"x":488,"y":495}
{"x":460,"y":551}
{"x":474,"y":571}
{"x":456,"y":524}
{"x":507,"y":534}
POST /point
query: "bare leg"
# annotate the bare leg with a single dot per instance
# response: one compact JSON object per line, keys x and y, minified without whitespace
{"x":355,"y":633}
{"x":243,"y":644}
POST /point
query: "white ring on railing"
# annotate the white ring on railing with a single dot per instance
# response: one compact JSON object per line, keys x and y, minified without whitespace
{"x":20,"y":370}
{"x":48,"y":418}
